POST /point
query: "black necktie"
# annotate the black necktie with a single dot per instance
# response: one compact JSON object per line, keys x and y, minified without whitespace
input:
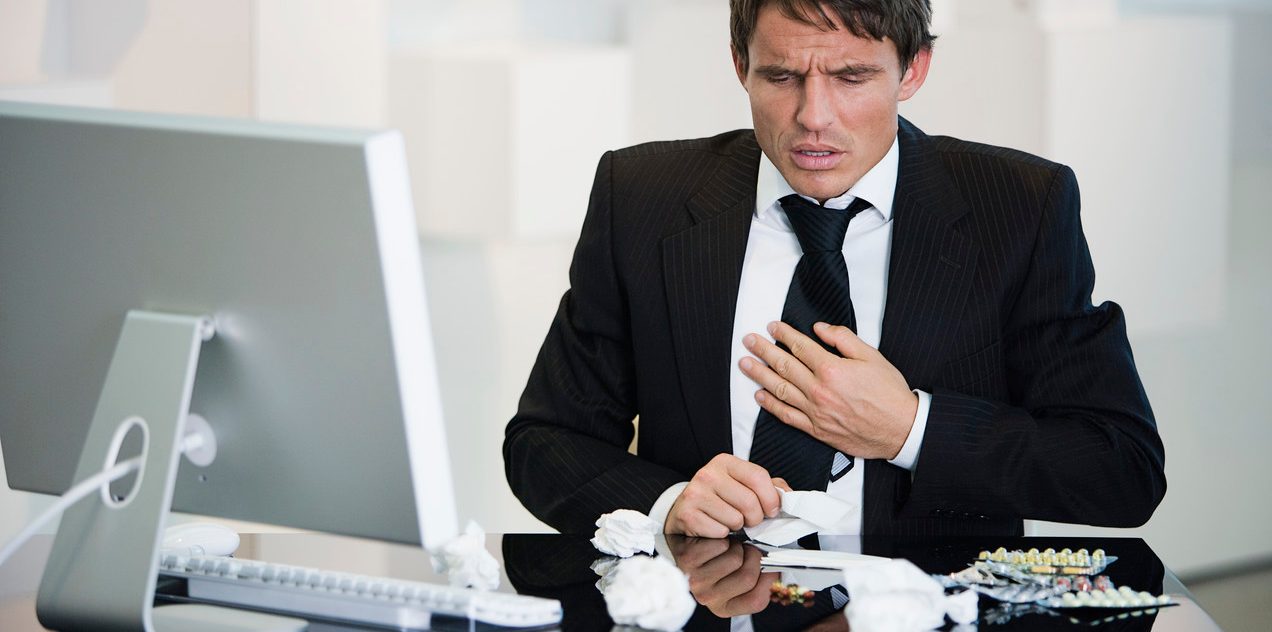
{"x":818,"y":292}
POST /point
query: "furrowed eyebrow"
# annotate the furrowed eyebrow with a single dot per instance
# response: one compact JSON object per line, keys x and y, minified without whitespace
{"x":857,"y":71}
{"x":861,"y":71}
{"x":774,"y":71}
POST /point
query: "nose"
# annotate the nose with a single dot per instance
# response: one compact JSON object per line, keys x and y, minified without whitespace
{"x":816,"y":111}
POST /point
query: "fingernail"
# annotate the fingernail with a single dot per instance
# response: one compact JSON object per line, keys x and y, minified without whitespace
{"x":745,"y":363}
{"x":772,"y":328}
{"x":748,"y":340}
{"x":759,"y":396}
{"x":820,"y":325}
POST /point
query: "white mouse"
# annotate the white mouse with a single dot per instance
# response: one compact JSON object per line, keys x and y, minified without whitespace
{"x":200,"y":538}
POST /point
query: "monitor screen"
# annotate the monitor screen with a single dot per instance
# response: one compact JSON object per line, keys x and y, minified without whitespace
{"x":298,"y":242}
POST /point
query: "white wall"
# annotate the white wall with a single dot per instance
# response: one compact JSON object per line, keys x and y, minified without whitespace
{"x":1161,"y":108}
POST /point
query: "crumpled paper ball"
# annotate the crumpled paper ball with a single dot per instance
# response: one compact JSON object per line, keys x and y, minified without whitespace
{"x":625,"y":533}
{"x":466,"y":562}
{"x":897,"y":595}
{"x":962,"y":608}
{"x":649,"y":592}
{"x":900,"y":611}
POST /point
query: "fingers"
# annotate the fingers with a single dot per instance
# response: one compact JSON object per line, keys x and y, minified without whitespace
{"x":724,"y":496}
{"x":758,"y":482}
{"x":786,"y":413}
{"x":843,"y":339}
{"x":781,"y":482}
{"x":808,"y":351}
{"x":777,"y":371}
{"x":777,"y":364}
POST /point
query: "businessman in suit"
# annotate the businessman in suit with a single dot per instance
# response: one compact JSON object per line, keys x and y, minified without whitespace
{"x":834,"y":301}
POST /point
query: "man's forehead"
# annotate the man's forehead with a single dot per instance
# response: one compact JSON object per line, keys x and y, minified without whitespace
{"x":778,"y":36}
{"x":843,"y":52}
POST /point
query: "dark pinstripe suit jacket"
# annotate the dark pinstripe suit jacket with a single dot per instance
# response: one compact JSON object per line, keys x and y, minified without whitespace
{"x":1037,"y":409}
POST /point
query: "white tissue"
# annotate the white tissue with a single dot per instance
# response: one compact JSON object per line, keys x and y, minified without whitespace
{"x":649,"y":592}
{"x":804,"y":513}
{"x":466,"y":562}
{"x":897,"y":595}
{"x":624,"y":533}
{"x":961,"y":608}
{"x":902,"y":611}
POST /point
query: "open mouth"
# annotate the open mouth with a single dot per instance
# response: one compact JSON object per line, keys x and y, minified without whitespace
{"x":815,"y":159}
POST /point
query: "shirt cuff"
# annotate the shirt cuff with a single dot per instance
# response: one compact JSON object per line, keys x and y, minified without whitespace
{"x":910,"y":450}
{"x":662,"y":506}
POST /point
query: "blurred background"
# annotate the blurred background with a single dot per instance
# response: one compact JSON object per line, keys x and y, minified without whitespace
{"x":1160,"y":106}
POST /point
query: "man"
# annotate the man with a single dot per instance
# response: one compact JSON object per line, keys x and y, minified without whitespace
{"x":955,"y":379}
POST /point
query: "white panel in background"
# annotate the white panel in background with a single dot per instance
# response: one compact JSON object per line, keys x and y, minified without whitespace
{"x":593,"y":21}
{"x":23,"y":38}
{"x":684,"y":85}
{"x":490,"y":303}
{"x":414,"y":24}
{"x":92,"y":93}
{"x":945,"y":15}
{"x":1146,"y":124}
{"x":322,"y":62}
{"x":985,"y":83}
{"x":190,"y":57}
{"x":503,"y":139}
{"x":1077,"y":13}
{"x":98,"y":34}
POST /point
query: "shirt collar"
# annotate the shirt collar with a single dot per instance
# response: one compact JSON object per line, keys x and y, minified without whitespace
{"x":878,"y":186}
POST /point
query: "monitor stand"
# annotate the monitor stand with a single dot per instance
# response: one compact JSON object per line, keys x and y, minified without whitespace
{"x":101,"y":572}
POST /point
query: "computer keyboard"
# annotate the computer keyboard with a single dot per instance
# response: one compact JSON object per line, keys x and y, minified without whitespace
{"x":361,"y":599}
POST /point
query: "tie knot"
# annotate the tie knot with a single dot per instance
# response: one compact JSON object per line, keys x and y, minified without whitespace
{"x":820,"y":229}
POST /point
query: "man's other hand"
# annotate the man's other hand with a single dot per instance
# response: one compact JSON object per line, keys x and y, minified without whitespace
{"x":855,"y":402}
{"x":724,"y":496}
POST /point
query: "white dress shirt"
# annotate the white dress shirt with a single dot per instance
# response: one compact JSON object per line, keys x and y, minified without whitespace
{"x":772,"y":251}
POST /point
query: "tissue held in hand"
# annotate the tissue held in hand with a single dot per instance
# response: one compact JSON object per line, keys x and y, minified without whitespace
{"x":625,"y":533}
{"x":649,"y":592}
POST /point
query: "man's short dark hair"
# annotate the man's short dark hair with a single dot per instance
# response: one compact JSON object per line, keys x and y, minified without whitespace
{"x":905,"y":22}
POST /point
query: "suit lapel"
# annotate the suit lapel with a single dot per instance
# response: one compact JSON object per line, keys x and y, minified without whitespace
{"x":929,"y":279}
{"x":702,"y":267}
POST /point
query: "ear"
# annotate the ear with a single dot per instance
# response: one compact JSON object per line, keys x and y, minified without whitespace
{"x":915,"y":74}
{"x":738,"y":66}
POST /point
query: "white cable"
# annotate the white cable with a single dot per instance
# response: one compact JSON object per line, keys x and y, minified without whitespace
{"x":72,"y":496}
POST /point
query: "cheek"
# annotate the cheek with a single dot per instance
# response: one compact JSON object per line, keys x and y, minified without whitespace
{"x":770,"y":112}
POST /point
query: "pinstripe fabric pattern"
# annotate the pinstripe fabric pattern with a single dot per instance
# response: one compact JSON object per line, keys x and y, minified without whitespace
{"x":1037,"y":408}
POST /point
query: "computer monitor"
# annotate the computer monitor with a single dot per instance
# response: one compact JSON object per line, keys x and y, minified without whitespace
{"x":297,"y":244}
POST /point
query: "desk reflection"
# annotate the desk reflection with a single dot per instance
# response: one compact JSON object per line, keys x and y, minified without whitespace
{"x":729,"y":583}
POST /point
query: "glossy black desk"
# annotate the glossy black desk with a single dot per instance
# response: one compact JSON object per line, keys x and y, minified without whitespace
{"x":725,"y":577}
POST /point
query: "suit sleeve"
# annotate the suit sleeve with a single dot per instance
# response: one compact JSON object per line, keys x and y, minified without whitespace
{"x":1077,"y":442}
{"x":565,"y":450}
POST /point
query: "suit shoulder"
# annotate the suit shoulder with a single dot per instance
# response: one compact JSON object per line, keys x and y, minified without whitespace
{"x":957,"y":153}
{"x":666,"y":173}
{"x":725,"y":144}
